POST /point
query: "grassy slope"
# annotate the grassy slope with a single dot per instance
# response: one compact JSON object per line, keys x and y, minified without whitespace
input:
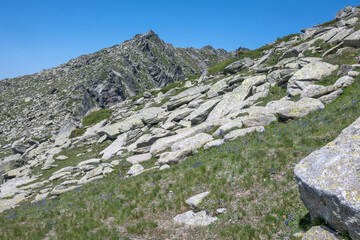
{"x":239,"y":175}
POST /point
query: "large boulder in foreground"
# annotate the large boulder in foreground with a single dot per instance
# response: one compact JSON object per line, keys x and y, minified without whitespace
{"x":329,"y":181}
{"x":310,"y":73}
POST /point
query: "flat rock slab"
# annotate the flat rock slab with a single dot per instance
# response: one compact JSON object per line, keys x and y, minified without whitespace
{"x":194,"y":219}
{"x":214,"y":143}
{"x":300,"y":109}
{"x":329,"y":181}
{"x":193,"y":142}
{"x":90,"y":162}
{"x":320,"y":233}
{"x":136,"y":159}
{"x":242,"y":132}
{"x":310,"y":73}
{"x":194,"y":201}
{"x":135,"y":170}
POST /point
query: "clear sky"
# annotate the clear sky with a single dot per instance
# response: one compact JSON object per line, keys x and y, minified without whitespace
{"x":40,"y":34}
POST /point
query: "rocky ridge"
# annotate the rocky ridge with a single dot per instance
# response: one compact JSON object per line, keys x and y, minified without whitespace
{"x":36,"y":105}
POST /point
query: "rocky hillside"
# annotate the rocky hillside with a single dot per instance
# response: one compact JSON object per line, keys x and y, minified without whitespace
{"x":218,"y":156}
{"x":36,"y":105}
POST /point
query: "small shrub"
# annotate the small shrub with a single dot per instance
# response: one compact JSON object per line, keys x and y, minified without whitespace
{"x":96,"y":117}
{"x":77,"y":132}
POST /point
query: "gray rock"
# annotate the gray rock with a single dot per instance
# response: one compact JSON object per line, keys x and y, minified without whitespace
{"x":235,"y":100}
{"x":310,"y":73}
{"x":90,"y":161}
{"x":92,"y":130}
{"x":194,"y":201}
{"x":242,"y":132}
{"x":221,"y":211}
{"x":179,"y":114}
{"x":118,"y":144}
{"x":163,"y":143}
{"x":225,"y":128}
{"x":163,"y":167}
{"x":316,"y":91}
{"x":353,"y":73}
{"x":147,"y":140}
{"x":258,"y":119}
{"x":239,"y":65}
{"x":61,"y":157}
{"x":200,"y":114}
{"x":9,"y":203}
{"x":95,"y":172}
{"x":174,"y":157}
{"x":214,"y":143}
{"x":330,"y":97}
{"x":218,"y":88}
{"x":300,"y":109}
{"x":152,"y":115}
{"x":59,"y":175}
{"x":289,"y":54}
{"x":341,"y":35}
{"x":344,"y":69}
{"x":136,"y":159}
{"x":113,"y":130}
{"x":344,"y":81}
{"x":61,"y":189}
{"x":353,"y":40}
{"x":328,"y":181}
{"x":320,"y":233}
{"x":193,"y":143}
{"x":194,"y":219}
{"x":186,"y":96}
{"x":135,"y":170}
{"x":346,"y":12}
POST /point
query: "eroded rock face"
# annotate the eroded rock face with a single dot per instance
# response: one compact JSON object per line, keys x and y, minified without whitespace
{"x":329,"y":181}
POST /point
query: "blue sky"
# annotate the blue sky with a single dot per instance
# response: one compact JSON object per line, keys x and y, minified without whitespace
{"x":40,"y":34}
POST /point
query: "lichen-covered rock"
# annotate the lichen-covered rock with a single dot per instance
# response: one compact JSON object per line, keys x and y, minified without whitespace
{"x":353,"y":40}
{"x":223,"y":129}
{"x":218,"y":88}
{"x":136,"y":159}
{"x":235,"y":100}
{"x":135,"y":170}
{"x":194,"y":201}
{"x":258,"y":119}
{"x":163,"y":143}
{"x":300,"y":109}
{"x":320,"y":233}
{"x":174,"y":157}
{"x":113,"y":130}
{"x":193,"y":142}
{"x":201,"y":113}
{"x":239,"y":65}
{"x":152,"y":115}
{"x":242,"y":132}
{"x":118,"y":144}
{"x":214,"y":143}
{"x":344,"y":81}
{"x":316,"y":91}
{"x":194,"y":219}
{"x":309,"y":74}
{"x":329,"y":181}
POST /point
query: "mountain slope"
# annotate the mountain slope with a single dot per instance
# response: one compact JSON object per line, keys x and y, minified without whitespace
{"x":101,"y":79}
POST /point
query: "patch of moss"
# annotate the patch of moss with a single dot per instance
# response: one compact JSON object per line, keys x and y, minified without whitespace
{"x":96,"y":117}
{"x":77,"y":132}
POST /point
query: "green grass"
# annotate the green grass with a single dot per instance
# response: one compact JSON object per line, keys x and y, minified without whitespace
{"x":96,"y":117}
{"x":252,"y":177}
{"x":253,"y":54}
{"x":77,"y":132}
{"x":286,"y":38}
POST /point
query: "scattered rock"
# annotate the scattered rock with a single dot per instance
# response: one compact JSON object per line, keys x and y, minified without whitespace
{"x":163,"y":167}
{"x":136,"y":159}
{"x":135,"y":170}
{"x":194,"y":201}
{"x":214,"y":143}
{"x":194,"y":219}
{"x":242,"y":132}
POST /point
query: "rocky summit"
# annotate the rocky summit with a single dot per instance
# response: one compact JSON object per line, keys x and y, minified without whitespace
{"x":144,"y":140}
